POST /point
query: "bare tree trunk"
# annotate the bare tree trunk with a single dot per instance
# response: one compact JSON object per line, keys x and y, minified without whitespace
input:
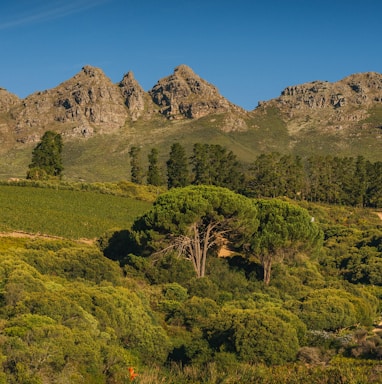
{"x":267,"y":266}
{"x":196,"y":244}
{"x":206,"y":246}
{"x":197,"y":252}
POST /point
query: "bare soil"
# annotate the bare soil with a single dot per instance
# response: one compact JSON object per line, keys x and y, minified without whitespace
{"x":21,"y":234}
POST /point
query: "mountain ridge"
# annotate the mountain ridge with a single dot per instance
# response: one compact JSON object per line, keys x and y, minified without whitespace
{"x":94,"y":114}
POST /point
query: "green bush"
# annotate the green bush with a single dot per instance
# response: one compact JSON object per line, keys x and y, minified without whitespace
{"x":196,"y":311}
{"x":255,"y":337}
{"x":332,"y":309}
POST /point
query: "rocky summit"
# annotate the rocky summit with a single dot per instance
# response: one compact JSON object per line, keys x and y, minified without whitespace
{"x":91,"y":103}
{"x":7,"y":100}
{"x":330,"y":106}
{"x":185,"y":95}
{"x":133,"y":94}
{"x":86,"y":103}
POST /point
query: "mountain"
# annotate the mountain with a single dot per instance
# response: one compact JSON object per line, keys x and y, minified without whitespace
{"x":87,"y":102}
{"x":90,"y":103}
{"x":343,"y":117}
{"x":340,"y":104}
{"x":7,"y":100}
{"x":186,"y":95}
{"x":100,"y":120}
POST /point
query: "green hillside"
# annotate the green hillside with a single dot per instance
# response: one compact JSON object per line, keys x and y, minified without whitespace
{"x":69,"y":314}
{"x":104,"y":157}
{"x":66,"y":212}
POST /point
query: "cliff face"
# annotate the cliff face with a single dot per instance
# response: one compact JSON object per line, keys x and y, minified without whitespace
{"x":136,"y":99}
{"x":359,"y":89}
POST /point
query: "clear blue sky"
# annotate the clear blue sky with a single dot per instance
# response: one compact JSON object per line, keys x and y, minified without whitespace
{"x":249,"y":49}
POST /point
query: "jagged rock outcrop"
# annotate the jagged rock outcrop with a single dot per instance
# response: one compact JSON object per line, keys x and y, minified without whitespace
{"x":185,"y":95}
{"x":7,"y":100}
{"x":136,"y":99}
{"x":337,"y":105}
{"x":87,"y":101}
{"x":359,"y":89}
{"x":90,"y":102}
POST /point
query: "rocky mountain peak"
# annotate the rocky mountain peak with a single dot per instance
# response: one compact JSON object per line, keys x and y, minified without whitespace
{"x":184,"y":71}
{"x":92,"y":71}
{"x":88,"y":101}
{"x":186,"y":95}
{"x":340,"y":104}
{"x":356,"y":89}
{"x":7,"y":100}
{"x":133,"y":94}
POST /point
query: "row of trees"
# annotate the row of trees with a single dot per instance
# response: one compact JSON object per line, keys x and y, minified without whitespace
{"x":328,"y":179}
{"x":210,"y":164}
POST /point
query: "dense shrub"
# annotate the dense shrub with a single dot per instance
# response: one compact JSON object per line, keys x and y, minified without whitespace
{"x":254,"y":336}
{"x":332,"y":309}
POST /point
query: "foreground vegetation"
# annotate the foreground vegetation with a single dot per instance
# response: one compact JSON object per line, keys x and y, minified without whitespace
{"x":69,"y":314}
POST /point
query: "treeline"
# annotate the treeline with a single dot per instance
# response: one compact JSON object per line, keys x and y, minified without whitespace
{"x":329,"y":179}
{"x":210,"y":164}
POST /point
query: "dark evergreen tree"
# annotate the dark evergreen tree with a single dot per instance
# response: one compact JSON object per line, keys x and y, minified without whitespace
{"x":320,"y":179}
{"x":360,"y":182}
{"x":154,"y":176}
{"x":200,"y":164}
{"x":177,"y":167}
{"x":374,"y":184}
{"x":135,"y":165}
{"x":46,"y":157}
{"x":343,"y":182}
{"x":265,"y":179}
{"x":215,"y":165}
{"x":226,"y":169}
{"x":293,"y":180}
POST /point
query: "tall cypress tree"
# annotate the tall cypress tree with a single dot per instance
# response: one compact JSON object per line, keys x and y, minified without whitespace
{"x":215,"y":165}
{"x":374,"y":184}
{"x":154,"y":176}
{"x":135,"y":166}
{"x":177,"y":167}
{"x":201,"y":165}
{"x":46,"y":157}
{"x":360,"y":182}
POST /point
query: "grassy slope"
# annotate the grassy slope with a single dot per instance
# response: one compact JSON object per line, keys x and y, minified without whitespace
{"x":66,"y":213}
{"x":104,"y":157}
